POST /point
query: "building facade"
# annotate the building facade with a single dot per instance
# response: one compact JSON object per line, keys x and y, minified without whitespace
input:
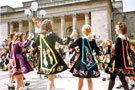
{"x":120,"y":15}
{"x":63,"y":14}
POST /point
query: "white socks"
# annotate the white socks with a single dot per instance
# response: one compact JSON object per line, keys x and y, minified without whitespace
{"x":11,"y":84}
{"x":25,"y":88}
{"x":51,"y":89}
{"x":131,"y":82}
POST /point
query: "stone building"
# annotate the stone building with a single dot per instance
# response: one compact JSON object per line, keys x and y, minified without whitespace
{"x":120,"y":15}
{"x":64,"y":14}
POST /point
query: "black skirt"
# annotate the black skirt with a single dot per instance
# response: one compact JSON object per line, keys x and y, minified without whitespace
{"x":80,"y":70}
{"x":112,"y":69}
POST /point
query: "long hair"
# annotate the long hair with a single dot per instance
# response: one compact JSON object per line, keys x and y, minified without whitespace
{"x":11,"y":36}
{"x":21,"y":37}
{"x":17,"y":37}
{"x":46,"y":27}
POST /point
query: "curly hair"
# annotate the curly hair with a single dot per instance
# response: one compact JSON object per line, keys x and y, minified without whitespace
{"x":123,"y":27}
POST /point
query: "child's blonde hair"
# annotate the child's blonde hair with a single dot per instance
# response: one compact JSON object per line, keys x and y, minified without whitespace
{"x":86,"y":29}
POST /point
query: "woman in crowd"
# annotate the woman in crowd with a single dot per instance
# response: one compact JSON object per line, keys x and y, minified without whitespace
{"x":105,"y":50}
{"x":50,"y":61}
{"x":85,"y":66}
{"x":121,"y":61}
{"x":11,"y":38}
{"x":5,"y":55}
{"x":17,"y":64}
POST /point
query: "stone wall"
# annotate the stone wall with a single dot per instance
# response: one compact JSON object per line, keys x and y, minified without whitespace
{"x":5,"y":9}
{"x":119,"y":15}
{"x":57,"y":26}
{"x":130,"y":19}
{"x":100,"y":24}
{"x":3,"y":31}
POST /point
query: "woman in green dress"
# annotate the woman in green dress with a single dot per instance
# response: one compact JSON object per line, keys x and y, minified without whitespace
{"x":50,"y":61}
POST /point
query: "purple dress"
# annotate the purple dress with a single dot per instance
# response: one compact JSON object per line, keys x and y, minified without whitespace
{"x":18,"y":64}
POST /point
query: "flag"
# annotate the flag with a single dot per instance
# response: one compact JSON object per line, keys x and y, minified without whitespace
{"x":36,"y":25}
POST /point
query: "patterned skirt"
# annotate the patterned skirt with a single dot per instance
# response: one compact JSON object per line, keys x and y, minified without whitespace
{"x":111,"y":69}
{"x":49,"y":66}
{"x":80,"y":70}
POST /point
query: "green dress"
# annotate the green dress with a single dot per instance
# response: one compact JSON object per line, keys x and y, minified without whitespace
{"x":50,"y":61}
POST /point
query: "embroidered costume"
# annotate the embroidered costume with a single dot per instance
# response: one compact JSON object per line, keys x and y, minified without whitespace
{"x":119,"y":64}
{"x":50,"y":61}
{"x":85,"y":66}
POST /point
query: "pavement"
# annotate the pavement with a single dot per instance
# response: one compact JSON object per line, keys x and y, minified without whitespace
{"x":63,"y":81}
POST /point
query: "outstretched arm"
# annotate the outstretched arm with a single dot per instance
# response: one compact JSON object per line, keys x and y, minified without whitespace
{"x":61,"y":41}
{"x":36,"y":42}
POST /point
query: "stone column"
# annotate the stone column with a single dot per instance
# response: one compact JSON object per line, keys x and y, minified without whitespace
{"x":20,"y":26}
{"x":62,"y":26}
{"x":52,"y":22}
{"x":11,"y":27}
{"x":86,"y":18}
{"x":3,"y":31}
{"x":74,"y":21}
{"x":100,"y":24}
{"x":30,"y":26}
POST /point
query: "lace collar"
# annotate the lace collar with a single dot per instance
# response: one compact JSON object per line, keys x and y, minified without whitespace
{"x":123,"y":37}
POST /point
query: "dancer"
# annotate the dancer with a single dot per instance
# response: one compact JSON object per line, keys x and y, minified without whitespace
{"x":85,"y":66}
{"x":17,"y":64}
{"x":120,"y":65}
{"x":50,"y":60}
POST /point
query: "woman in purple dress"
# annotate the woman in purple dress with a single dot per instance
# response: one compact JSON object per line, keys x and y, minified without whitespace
{"x":18,"y":65}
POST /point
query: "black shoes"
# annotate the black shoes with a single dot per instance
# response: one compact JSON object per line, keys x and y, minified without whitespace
{"x":119,"y":87}
{"x":131,"y":87}
{"x":11,"y":87}
{"x":27,"y":84}
{"x":104,"y":79}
